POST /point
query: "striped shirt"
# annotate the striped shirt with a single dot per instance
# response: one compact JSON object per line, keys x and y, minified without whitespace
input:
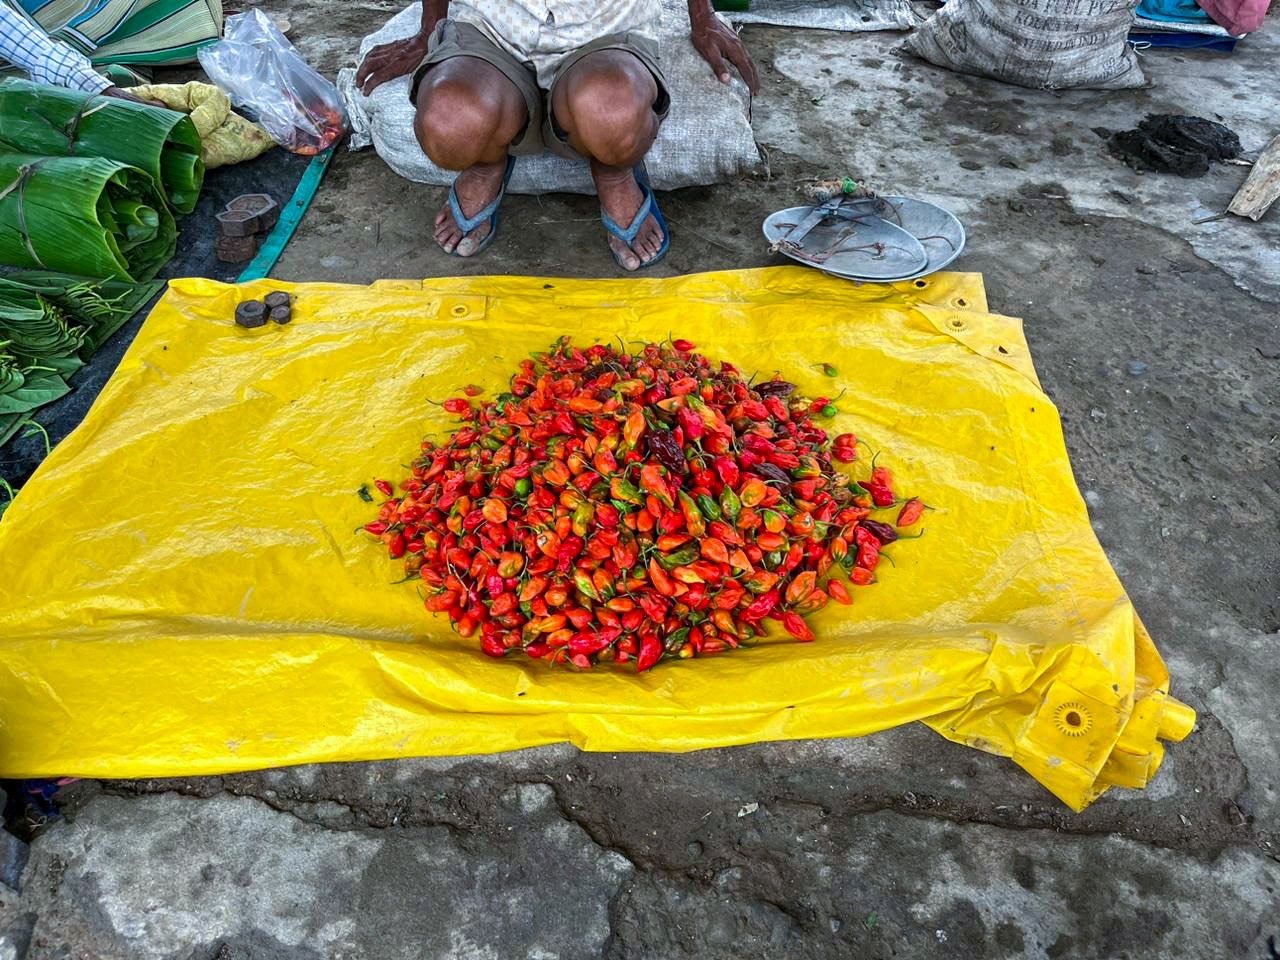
{"x":544,"y":32}
{"x":25,"y":45}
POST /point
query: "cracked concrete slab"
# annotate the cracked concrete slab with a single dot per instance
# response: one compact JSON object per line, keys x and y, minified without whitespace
{"x":167,"y":876}
{"x":1155,"y":337}
{"x":890,"y":885}
{"x":816,"y":849}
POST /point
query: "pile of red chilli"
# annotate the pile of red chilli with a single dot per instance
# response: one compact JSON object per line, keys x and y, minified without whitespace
{"x":624,"y":506}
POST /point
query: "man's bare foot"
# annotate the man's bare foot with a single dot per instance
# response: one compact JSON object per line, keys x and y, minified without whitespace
{"x":476,"y":187}
{"x":621,"y":197}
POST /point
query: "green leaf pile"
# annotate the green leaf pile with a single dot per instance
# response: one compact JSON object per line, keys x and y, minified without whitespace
{"x":49,"y":327}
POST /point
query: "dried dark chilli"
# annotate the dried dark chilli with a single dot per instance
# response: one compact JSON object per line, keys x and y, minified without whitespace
{"x":772,"y":474}
{"x":884,"y":532}
{"x":630,"y":506}
{"x":775,"y":388}
{"x":663,"y":445}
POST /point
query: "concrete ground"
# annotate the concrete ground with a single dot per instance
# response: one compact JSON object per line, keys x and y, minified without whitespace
{"x":1159,"y":340}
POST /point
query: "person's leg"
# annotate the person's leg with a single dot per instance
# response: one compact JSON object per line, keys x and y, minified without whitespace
{"x":605,"y":105}
{"x":469,"y":113}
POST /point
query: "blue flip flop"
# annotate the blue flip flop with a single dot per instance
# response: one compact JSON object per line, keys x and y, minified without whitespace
{"x":489,"y":213}
{"x":629,"y":234}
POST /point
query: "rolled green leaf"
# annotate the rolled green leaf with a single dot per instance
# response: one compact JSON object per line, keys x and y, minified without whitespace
{"x":74,"y":215}
{"x":140,"y":222}
{"x":50,"y":324}
{"x":101,"y":306}
{"x":37,"y":332}
{"x":11,"y":376}
{"x":54,"y":121}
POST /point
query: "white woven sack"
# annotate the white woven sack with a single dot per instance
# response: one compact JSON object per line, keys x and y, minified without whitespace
{"x":1049,"y":44}
{"x":844,"y":15}
{"x":705,"y":139}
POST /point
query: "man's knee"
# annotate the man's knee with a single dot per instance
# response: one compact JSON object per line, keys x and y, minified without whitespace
{"x":609,"y":107}
{"x":457,"y":122}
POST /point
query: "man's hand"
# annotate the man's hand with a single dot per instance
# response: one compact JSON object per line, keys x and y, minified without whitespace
{"x":121,"y":94}
{"x":391,"y":60}
{"x":395,"y":59}
{"x":716,"y":42}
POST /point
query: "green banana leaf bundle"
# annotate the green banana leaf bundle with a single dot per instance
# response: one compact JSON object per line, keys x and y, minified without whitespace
{"x":86,"y":216}
{"x":50,"y":325}
{"x":58,"y":122}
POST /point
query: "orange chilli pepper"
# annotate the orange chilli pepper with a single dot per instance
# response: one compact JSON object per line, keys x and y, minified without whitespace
{"x":714,"y":549}
{"x":796,"y":626}
{"x":771,"y":541}
{"x":634,"y":428}
{"x":910,"y":512}
{"x":753,"y":492}
{"x":839,"y":592}
{"x":801,"y":586}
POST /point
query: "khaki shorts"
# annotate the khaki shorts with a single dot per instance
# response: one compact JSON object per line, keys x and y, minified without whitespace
{"x":453,"y":39}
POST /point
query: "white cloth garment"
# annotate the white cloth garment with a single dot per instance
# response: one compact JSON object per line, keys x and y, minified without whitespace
{"x":543,"y":32}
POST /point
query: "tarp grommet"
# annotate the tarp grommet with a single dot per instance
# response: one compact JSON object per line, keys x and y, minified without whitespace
{"x":1073,"y":719}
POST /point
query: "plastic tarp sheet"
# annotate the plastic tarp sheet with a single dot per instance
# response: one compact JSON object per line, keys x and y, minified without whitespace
{"x":184,"y":590}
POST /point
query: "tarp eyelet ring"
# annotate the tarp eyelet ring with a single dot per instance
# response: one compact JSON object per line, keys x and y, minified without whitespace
{"x":1073,"y":719}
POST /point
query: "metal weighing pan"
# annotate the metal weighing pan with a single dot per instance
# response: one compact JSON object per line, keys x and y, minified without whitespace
{"x":938,"y":232}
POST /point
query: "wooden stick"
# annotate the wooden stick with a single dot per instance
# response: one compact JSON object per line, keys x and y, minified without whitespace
{"x":1262,"y":187}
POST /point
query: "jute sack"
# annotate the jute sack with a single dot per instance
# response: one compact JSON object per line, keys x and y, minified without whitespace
{"x":1049,"y":44}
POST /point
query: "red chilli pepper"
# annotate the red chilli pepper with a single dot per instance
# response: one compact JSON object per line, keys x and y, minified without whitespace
{"x":650,"y":652}
{"x":881,"y":495}
{"x":796,"y":626}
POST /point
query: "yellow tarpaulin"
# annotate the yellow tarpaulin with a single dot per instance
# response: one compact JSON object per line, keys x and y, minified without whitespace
{"x":183,"y":590}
